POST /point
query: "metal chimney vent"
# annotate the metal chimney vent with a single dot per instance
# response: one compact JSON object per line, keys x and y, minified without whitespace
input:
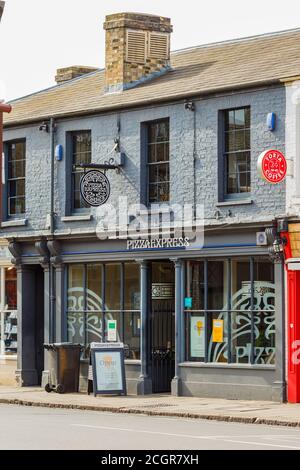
{"x":158,"y":47}
{"x":136,"y":47}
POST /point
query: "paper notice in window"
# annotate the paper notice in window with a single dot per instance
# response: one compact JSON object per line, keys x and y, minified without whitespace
{"x":218,"y":331}
{"x":112,"y":330}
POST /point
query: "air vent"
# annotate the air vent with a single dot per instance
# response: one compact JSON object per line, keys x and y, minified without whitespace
{"x":158,"y":46}
{"x":136,"y":47}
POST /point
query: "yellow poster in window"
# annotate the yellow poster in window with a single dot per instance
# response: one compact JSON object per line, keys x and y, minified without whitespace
{"x":218,"y":331}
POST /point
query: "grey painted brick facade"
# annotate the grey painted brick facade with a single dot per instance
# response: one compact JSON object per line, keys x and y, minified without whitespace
{"x":232,"y":381}
{"x":268,"y":201}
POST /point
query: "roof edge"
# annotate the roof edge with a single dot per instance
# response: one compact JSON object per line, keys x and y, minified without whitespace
{"x":56,"y":86}
{"x":147,"y":102}
{"x":178,"y":51}
{"x":238,"y":40}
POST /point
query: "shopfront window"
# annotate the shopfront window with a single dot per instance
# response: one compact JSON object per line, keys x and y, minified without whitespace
{"x":8,"y":311}
{"x":230,"y":311}
{"x":105,"y":294}
{"x":94,"y":303}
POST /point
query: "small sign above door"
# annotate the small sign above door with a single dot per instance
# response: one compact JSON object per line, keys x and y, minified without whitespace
{"x":163,"y":291}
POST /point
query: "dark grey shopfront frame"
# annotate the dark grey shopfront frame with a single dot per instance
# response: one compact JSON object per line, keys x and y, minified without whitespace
{"x":238,"y":381}
{"x":251,"y":380}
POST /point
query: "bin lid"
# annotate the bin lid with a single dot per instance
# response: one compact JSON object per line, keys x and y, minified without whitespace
{"x":62,"y":345}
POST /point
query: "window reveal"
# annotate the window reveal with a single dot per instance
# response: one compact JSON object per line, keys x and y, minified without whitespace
{"x":158,"y":149}
{"x":81,"y":153}
{"x":237,"y":151}
{"x":16,"y":178}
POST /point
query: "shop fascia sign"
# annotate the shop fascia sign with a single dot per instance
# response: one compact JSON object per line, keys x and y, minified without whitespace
{"x":156,"y":243}
{"x":272,"y":166}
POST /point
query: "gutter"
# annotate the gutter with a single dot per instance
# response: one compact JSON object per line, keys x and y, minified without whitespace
{"x":4,"y":108}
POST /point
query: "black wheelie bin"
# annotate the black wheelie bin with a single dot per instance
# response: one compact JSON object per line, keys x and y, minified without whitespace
{"x":63,"y":364}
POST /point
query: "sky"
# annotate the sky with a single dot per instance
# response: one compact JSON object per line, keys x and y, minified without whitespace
{"x":39,"y":36}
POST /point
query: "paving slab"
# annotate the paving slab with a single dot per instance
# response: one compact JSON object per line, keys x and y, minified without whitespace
{"x":258,"y":412}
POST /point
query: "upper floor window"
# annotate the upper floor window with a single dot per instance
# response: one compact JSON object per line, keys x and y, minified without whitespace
{"x":81,"y":153}
{"x":16,"y":160}
{"x":237,"y":151}
{"x":158,"y":156}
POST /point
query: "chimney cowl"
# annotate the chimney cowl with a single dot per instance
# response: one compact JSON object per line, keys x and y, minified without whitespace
{"x":137,"y":48}
{"x":138,"y":21}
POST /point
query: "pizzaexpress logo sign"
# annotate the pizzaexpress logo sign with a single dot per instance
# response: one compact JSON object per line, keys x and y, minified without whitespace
{"x":155,"y":243}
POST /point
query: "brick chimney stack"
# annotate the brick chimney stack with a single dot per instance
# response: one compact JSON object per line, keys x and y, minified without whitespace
{"x":137,"y":48}
{"x":69,"y":73}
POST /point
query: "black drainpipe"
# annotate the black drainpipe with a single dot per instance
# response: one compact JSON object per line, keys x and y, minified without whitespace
{"x":195,"y":159}
{"x":52,"y":229}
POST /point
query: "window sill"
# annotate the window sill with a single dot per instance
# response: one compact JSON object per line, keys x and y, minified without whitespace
{"x":77,"y":218}
{"x":217,"y":365}
{"x":14,"y":223}
{"x":235,"y":202}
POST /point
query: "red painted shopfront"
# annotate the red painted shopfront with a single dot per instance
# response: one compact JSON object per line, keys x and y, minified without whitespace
{"x":292,"y":261}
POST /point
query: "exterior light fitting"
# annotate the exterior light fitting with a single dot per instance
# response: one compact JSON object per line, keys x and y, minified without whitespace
{"x":44,"y":127}
{"x":189,"y":105}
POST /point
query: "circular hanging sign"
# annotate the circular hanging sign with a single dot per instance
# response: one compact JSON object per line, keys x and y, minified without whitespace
{"x":94,"y":188}
{"x":272,"y":166}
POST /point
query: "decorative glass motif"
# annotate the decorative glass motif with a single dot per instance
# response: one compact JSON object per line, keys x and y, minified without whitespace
{"x":88,"y":316}
{"x":263,"y":314}
{"x":80,"y":324}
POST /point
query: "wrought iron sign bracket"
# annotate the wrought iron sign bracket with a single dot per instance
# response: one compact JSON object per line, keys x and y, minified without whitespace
{"x":112,"y":164}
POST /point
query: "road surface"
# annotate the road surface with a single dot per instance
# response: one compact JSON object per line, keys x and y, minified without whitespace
{"x":45,"y":428}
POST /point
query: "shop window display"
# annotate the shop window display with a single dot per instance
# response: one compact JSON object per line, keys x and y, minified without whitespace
{"x":100,"y":293}
{"x":9,"y":317}
{"x":231,"y":313}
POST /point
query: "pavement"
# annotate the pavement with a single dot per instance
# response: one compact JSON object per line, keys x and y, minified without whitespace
{"x":239,"y":411}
